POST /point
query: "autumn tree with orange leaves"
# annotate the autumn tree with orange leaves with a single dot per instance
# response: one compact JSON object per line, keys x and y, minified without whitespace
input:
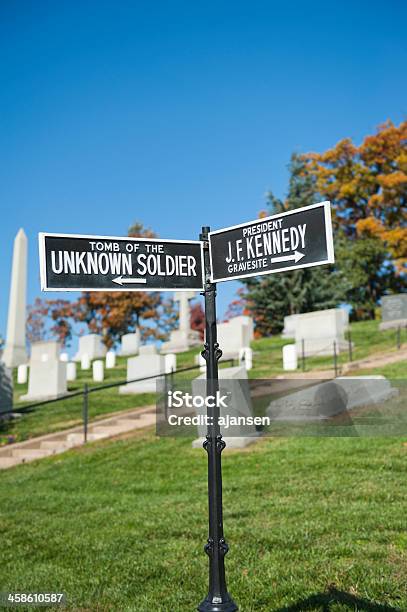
{"x":367,"y":186}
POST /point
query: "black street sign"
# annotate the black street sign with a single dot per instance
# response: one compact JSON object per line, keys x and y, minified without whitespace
{"x":299,"y":238}
{"x":70,"y":262}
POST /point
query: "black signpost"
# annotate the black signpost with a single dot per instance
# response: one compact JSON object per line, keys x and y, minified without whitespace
{"x":295,"y":239}
{"x":218,"y":598}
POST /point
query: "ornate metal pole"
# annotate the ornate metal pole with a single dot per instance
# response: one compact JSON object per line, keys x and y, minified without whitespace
{"x":218,"y":598}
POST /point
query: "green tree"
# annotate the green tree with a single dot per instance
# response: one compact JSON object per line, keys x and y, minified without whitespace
{"x":270,"y":298}
{"x":369,"y":273}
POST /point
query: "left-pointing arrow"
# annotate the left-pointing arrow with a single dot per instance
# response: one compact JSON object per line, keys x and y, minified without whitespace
{"x":296,"y":257}
{"x":120,"y":280}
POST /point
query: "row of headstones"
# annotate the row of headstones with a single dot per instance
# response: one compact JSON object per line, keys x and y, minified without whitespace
{"x":315,"y":332}
{"x":318,"y":332}
{"x":49,"y":370}
{"x":233,"y":336}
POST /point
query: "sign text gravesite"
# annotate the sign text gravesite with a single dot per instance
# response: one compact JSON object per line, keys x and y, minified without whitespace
{"x":105,"y":263}
{"x":295,"y":239}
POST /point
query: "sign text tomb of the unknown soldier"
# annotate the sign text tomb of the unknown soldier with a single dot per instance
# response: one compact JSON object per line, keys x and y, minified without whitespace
{"x":105,"y":263}
{"x":298,"y":238}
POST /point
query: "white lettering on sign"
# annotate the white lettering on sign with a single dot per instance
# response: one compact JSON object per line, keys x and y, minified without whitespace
{"x":251,"y":252}
{"x":73,"y":262}
{"x":121,"y":264}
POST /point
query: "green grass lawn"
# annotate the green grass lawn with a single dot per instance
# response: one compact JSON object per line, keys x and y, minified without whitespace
{"x":312,"y":524}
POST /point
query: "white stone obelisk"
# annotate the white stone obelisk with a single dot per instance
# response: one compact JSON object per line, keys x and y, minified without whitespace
{"x":15,"y":352}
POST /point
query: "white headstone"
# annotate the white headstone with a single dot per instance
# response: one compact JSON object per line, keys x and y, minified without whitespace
{"x":291,"y":322}
{"x":232,"y":382}
{"x":246,"y":358}
{"x":130,"y":343}
{"x":22,"y":373}
{"x":110,"y":360}
{"x":319,"y":330}
{"x":6,"y":389}
{"x":184,"y":337}
{"x":245,"y":320}
{"x":289,"y":326}
{"x":15,"y":352}
{"x":330,"y":398}
{"x":394,"y":311}
{"x":85,"y":362}
{"x":235,"y":335}
{"x":170,"y":363}
{"x":290,"y":357}
{"x":64,"y":357}
{"x":45,"y":351}
{"x":98,"y":370}
{"x":140,"y":367}
{"x":47,"y":377}
{"x":201,"y":363}
{"x":92,"y":345}
{"x":71,"y":371}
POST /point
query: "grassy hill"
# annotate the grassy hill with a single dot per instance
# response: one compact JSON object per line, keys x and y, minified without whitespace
{"x":267,"y":362}
{"x":313,"y":524}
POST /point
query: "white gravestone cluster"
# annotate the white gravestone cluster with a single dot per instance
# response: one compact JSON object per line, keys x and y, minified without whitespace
{"x":184,"y":337}
{"x":233,"y":382}
{"x":147,"y":363}
{"x":47,"y":378}
{"x":15,"y":350}
{"x":92,"y":346}
{"x":130,"y":343}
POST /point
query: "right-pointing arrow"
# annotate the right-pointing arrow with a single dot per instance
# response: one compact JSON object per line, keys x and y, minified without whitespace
{"x":296,"y":257}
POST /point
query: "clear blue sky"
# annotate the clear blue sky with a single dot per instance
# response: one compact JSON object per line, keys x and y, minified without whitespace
{"x":178,"y":114}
